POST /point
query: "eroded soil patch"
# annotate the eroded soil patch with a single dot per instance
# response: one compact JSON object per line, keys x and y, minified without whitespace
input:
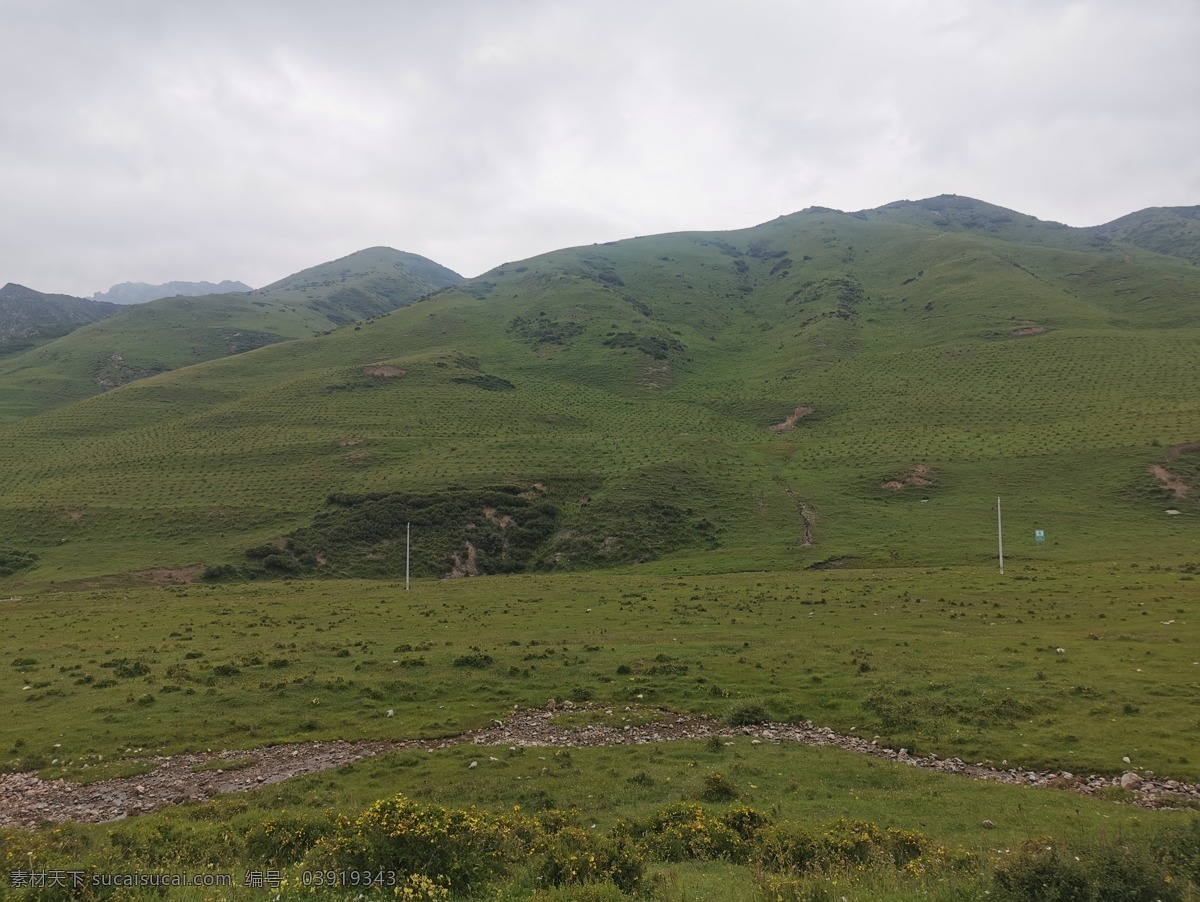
{"x":793,"y":418}
{"x":1178,"y":488}
{"x":918,"y":476}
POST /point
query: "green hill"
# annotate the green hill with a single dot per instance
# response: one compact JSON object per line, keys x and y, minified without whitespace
{"x":1164,"y":230}
{"x":822,"y":390}
{"x":1173,"y":231}
{"x":368,"y":283}
{"x":30,"y":318}
{"x":158,"y":336}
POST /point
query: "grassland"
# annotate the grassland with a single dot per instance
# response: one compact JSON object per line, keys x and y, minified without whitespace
{"x":955,"y":661}
{"x":959,"y":662}
{"x":758,"y":467}
{"x":143,"y":340}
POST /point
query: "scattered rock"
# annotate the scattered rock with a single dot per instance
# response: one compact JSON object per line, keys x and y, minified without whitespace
{"x":1130,"y":780}
{"x":26,"y":800}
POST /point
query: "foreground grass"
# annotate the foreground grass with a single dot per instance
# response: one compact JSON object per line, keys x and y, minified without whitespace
{"x":955,"y":662}
{"x":959,"y":662}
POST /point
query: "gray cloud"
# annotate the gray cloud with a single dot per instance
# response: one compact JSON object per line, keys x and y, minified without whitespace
{"x":151,"y":141}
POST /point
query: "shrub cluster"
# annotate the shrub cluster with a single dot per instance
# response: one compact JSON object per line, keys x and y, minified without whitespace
{"x":432,"y":852}
{"x":464,"y":850}
{"x":13,"y":560}
{"x":1167,"y":869}
{"x":364,"y":535}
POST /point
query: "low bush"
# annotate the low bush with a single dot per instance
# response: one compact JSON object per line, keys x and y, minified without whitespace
{"x":1115,"y":870}
{"x":686,"y":831}
{"x":286,"y":838}
{"x":718,"y":788}
{"x":748,"y":714}
{"x":786,"y":847}
{"x":574,"y":856}
{"x":466,"y":847}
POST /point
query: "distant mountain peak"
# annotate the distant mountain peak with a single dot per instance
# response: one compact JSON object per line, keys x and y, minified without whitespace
{"x":371,"y":259}
{"x":141,"y":292}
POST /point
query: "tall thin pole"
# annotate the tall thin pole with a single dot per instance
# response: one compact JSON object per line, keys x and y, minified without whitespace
{"x":1000,"y":535}
{"x":408,"y":553}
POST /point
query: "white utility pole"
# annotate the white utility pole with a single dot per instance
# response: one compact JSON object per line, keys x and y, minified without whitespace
{"x":408,"y":552}
{"x":1000,"y":535}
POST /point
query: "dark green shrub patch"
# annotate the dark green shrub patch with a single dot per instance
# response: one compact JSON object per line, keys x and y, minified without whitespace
{"x":458,"y":531}
{"x":747,"y":714}
{"x":475,"y":659}
{"x":13,"y":561}
{"x":1111,"y":869}
{"x":718,"y":788}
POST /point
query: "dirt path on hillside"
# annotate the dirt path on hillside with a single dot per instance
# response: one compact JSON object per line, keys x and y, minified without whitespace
{"x":26,"y":800}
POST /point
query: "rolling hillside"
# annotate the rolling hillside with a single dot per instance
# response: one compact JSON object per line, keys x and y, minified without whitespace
{"x":1164,"y":230}
{"x":167,"y":334}
{"x":30,"y":318}
{"x":822,"y":390}
{"x":1172,"y":231}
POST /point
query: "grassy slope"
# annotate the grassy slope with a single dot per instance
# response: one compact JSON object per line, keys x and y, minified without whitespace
{"x":171,"y":333}
{"x":1164,"y":230}
{"x":30,"y":318}
{"x":905,"y":341}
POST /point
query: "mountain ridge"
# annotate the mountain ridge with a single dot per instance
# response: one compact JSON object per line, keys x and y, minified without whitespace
{"x":1172,"y":231}
{"x":141,"y":292}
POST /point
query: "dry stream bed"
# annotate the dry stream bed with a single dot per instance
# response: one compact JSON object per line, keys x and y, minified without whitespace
{"x":27,"y":801}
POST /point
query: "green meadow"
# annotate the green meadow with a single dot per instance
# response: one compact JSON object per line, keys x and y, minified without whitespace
{"x":962,"y":663}
{"x":708,"y":473}
{"x":958,"y":662}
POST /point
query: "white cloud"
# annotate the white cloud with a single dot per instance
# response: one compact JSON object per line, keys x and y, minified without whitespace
{"x":151,"y":141}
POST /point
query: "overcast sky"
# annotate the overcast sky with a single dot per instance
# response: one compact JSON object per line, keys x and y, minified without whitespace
{"x":151,"y":140}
